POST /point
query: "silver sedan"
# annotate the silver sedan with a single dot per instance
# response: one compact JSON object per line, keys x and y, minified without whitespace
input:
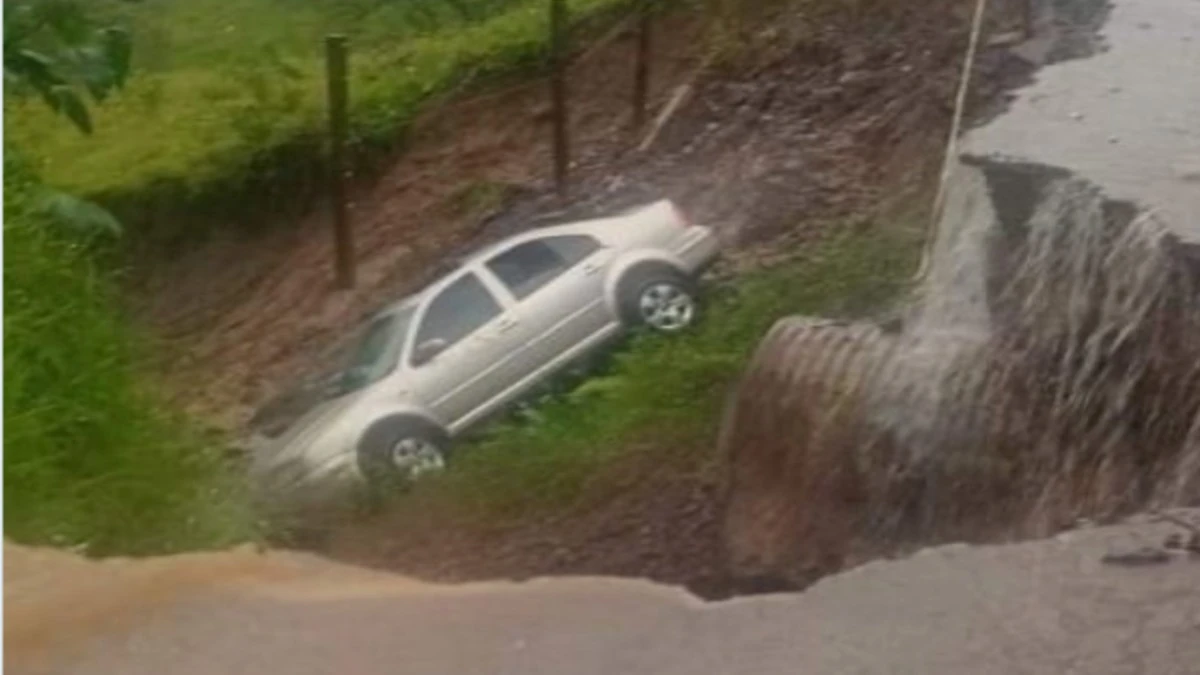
{"x":433,"y":365}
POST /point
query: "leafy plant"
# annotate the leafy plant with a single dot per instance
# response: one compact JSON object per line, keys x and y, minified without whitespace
{"x":80,"y":218}
{"x":52,"y":48}
{"x":91,"y":457}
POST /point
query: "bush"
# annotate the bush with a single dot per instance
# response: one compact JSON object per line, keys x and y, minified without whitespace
{"x":91,"y":459}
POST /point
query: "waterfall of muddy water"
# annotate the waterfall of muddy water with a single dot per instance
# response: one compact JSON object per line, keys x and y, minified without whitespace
{"x":955,"y":297}
{"x":1083,"y":394}
{"x":1049,"y":370}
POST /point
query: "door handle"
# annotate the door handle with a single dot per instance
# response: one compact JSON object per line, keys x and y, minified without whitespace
{"x":506,"y":325}
{"x":591,"y":268}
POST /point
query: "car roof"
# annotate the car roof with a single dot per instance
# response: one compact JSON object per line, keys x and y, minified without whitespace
{"x":592,"y":227}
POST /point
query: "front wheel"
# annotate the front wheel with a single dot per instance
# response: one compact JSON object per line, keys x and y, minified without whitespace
{"x":660,"y":298}
{"x":401,"y":451}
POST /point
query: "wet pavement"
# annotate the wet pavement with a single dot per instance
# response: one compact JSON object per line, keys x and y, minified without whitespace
{"x":1126,"y":117}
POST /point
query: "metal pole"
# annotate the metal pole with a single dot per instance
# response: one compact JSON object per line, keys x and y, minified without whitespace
{"x":343,"y":240}
{"x":951,"y":156}
{"x":641,"y":75}
{"x":558,"y":95}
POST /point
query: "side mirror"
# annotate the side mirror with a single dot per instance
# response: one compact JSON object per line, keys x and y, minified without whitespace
{"x":428,"y":350}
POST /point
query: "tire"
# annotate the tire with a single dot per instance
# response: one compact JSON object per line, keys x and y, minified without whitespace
{"x":658,"y":297}
{"x":397,"y":451}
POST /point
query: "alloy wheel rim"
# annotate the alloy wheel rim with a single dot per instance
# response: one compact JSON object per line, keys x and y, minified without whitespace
{"x":415,"y":457}
{"x":666,"y":307}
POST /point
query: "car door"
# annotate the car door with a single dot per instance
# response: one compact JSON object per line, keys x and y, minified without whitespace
{"x":461,"y":355}
{"x":558,"y":281}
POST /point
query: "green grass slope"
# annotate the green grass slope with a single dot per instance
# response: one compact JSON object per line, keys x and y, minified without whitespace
{"x":90,"y":458}
{"x":228,"y":97}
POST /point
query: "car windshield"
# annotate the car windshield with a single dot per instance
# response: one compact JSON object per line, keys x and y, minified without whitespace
{"x":377,"y":352}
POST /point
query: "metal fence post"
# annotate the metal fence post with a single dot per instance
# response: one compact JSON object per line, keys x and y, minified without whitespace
{"x":343,"y":240}
{"x":558,"y":94}
{"x":641,"y":75}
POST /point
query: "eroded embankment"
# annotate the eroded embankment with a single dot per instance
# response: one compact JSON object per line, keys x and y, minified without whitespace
{"x":782,"y":140}
{"x":825,"y":123}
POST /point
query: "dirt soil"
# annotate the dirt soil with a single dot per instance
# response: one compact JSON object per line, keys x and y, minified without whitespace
{"x":821,"y":120}
{"x":662,"y":524}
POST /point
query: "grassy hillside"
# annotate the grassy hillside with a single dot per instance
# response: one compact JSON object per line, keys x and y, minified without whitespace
{"x":90,"y":458}
{"x":229,"y":96}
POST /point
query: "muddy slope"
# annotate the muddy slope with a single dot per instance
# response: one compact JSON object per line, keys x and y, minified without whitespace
{"x":771,"y":155}
{"x":804,"y":127}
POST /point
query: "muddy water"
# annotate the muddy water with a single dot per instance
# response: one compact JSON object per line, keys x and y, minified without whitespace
{"x":1044,"y":607}
{"x":1084,"y":383}
{"x":1061,"y":307}
{"x":1049,"y":371}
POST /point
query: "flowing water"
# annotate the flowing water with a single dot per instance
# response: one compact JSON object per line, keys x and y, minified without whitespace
{"x":1073,"y":381}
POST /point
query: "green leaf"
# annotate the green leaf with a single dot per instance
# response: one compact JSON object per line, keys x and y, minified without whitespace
{"x":66,"y":19}
{"x":34,"y":67}
{"x":118,"y":48}
{"x":78,"y":215}
{"x":71,"y":56}
{"x":91,"y":65}
{"x":63,"y":99}
{"x":103,"y":65}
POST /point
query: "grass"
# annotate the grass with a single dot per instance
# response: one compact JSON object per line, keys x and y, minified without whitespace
{"x":91,"y":460}
{"x":660,"y":396}
{"x":228,"y":97}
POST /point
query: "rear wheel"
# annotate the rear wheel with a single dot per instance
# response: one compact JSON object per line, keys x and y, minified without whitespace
{"x":659,"y":297}
{"x":402,"y":450}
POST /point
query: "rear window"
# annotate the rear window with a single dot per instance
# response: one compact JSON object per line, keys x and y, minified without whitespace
{"x":529,"y":266}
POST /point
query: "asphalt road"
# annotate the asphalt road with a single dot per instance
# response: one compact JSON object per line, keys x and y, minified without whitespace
{"x":1039,"y":607}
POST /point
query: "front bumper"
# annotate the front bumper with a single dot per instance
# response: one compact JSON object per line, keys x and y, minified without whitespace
{"x":298,"y":483}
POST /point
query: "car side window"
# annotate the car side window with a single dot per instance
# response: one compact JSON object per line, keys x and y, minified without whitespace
{"x":459,"y":310}
{"x":527,"y":267}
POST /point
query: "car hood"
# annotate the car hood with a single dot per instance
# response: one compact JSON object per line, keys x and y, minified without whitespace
{"x":309,"y":427}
